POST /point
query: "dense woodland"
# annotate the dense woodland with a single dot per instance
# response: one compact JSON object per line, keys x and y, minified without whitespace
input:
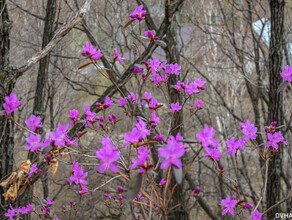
{"x":238,"y":47}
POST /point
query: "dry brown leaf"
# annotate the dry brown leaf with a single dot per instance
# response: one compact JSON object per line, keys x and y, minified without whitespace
{"x":25,"y":166}
{"x":20,"y":178}
{"x":54,"y":166}
{"x":11,"y":193}
{"x":9,"y":180}
{"x":64,"y":154}
{"x":22,"y":189}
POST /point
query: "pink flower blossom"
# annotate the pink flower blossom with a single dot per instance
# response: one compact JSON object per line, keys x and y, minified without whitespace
{"x":214,"y":153}
{"x":206,"y":137}
{"x":138,"y":14}
{"x":34,"y":122}
{"x":11,"y":213}
{"x":91,"y":52}
{"x":108,"y":154}
{"x":134,"y":98}
{"x":122,"y":101}
{"x":256,"y":215}
{"x":234,"y":146}
{"x":89,"y":116}
{"x":172,"y":152}
{"x":33,"y":170}
{"x":199,"y":104}
{"x":142,"y":128}
{"x":75,"y":166}
{"x":118,"y":56}
{"x":154,"y":119}
{"x":134,"y":138}
{"x":34,"y":143}
{"x":173,"y":69}
{"x":154,"y":65}
{"x":49,"y":202}
{"x":156,"y":79}
{"x":275,"y":139}
{"x":79,"y":177}
{"x":137,"y":70}
{"x":249,"y":130}
{"x":229,"y":204}
{"x":287,"y":74}
{"x":196,"y":192}
{"x":150,"y":35}
{"x":175,"y":107}
{"x":147,"y":99}
{"x":142,"y":155}
{"x":159,"y":138}
{"x":248,"y":206}
{"x":74,"y":114}
{"x":11,"y":103}
{"x":120,"y":189}
{"x":83,"y":190}
{"x":162,"y":182}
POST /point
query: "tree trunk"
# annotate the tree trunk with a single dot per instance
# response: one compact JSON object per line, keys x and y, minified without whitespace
{"x":275,"y":100}
{"x":172,"y":56}
{"x":40,"y":95}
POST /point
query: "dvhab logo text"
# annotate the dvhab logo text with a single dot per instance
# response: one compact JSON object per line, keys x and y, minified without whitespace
{"x":283,"y":215}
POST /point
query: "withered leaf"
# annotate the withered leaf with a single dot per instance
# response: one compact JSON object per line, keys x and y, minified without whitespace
{"x":54,"y":166}
{"x":85,"y":65}
{"x":130,"y":22}
{"x":11,"y":193}
{"x":25,"y":166}
{"x":22,"y":189}
{"x":9,"y":180}
{"x":20,"y":178}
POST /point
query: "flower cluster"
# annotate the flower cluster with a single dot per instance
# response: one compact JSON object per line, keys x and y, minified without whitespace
{"x":138,"y":133}
{"x":287,"y":74}
{"x":11,"y":103}
{"x":139,"y":14}
{"x":34,"y":123}
{"x":13,"y":212}
{"x":206,"y":138}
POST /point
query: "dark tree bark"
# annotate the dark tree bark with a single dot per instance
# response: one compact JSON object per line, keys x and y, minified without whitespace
{"x":172,"y":56}
{"x":40,"y":94}
{"x":6,"y":126}
{"x":275,"y":100}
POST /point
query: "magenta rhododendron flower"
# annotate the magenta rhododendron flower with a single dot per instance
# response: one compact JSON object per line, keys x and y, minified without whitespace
{"x":275,"y":139}
{"x":137,"y":70}
{"x":75,"y":166}
{"x":287,"y":74}
{"x":108,"y":155}
{"x":173,"y":69}
{"x":196,"y":192}
{"x":79,"y":176}
{"x":122,"y":101}
{"x":134,"y":98}
{"x":159,"y":138}
{"x":11,"y":213}
{"x":206,"y":137}
{"x":162,"y":182}
{"x":57,"y":137}
{"x":34,"y":143}
{"x":150,"y":35}
{"x":49,"y":202}
{"x":199,"y":104}
{"x":154,"y":65}
{"x":11,"y":103}
{"x":34,"y":122}
{"x":83,"y":190}
{"x":247,"y":206}
{"x":156,"y":79}
{"x":120,"y":189}
{"x":134,"y":138}
{"x":74,"y":116}
{"x":89,"y":116}
{"x":142,"y":128}
{"x":249,"y":130}
{"x":214,"y":153}
{"x":234,"y":146}
{"x":148,"y":98}
{"x":118,"y":56}
{"x":142,"y":155}
{"x":91,"y":52}
{"x":139,"y":14}
{"x":256,"y":215}
{"x":175,"y":107}
{"x":33,"y":169}
{"x":229,"y":204}
{"x":154,"y":119}
{"x":172,"y":152}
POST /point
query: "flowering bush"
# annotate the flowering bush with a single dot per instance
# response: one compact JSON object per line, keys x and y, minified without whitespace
{"x":138,"y":143}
